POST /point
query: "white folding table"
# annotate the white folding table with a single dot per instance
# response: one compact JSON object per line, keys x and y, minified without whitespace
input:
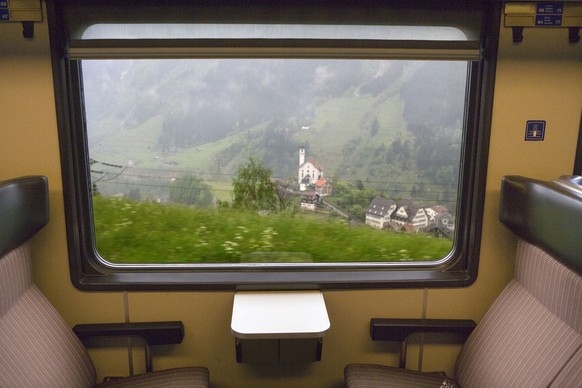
{"x":279,"y":315}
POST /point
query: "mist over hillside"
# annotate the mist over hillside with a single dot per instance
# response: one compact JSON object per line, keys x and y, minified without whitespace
{"x":394,"y":125}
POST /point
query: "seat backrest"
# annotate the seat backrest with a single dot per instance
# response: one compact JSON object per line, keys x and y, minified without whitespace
{"x":37,"y":348}
{"x":532,"y":334}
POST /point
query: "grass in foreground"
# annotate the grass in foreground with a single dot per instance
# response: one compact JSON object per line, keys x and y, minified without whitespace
{"x":138,"y":232}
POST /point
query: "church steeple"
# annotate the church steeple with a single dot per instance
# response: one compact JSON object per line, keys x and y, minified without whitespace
{"x":301,"y":156}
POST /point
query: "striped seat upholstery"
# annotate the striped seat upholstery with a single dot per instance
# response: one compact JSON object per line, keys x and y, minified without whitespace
{"x":376,"y":376}
{"x":37,"y":348}
{"x":530,"y":337}
{"x":173,"y":378}
{"x":532,"y":331}
{"x":532,"y":334}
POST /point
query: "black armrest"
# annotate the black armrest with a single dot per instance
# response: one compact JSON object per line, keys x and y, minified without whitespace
{"x":153,"y":333}
{"x":386,"y":329}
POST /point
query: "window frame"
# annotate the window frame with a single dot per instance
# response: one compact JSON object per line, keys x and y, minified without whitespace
{"x":88,"y":273}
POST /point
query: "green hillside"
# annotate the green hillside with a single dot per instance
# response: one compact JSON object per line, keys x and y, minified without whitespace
{"x":369,"y":121}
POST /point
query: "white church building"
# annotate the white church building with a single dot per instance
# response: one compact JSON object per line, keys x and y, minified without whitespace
{"x":309,"y":170}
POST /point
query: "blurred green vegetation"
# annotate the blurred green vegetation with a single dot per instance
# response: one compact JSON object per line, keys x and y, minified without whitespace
{"x":149,"y":232}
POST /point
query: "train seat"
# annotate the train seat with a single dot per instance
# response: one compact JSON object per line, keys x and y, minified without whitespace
{"x":532,"y":334}
{"x":37,"y":348}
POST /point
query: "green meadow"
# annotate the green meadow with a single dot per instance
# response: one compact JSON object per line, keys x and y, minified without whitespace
{"x":149,"y":232}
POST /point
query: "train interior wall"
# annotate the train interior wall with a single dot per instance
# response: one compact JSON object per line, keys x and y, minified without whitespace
{"x":538,"y":79}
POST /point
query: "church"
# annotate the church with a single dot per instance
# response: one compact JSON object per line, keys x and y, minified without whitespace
{"x":310,"y":171}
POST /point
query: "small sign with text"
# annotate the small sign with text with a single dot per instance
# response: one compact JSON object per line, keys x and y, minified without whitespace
{"x":535,"y":130}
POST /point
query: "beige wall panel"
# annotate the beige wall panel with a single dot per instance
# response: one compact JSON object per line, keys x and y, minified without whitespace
{"x":538,"y":79}
{"x":208,"y":340}
{"x":527,"y":88}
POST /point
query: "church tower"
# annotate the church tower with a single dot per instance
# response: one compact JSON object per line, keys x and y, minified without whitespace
{"x":301,"y":156}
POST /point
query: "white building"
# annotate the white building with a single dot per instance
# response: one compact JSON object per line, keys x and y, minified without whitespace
{"x":435,"y":211}
{"x":309,"y":171}
{"x":379,"y":212}
{"x":410,"y":213}
{"x":309,"y":200}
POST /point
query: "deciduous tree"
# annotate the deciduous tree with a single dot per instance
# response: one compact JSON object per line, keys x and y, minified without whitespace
{"x":253,"y":188}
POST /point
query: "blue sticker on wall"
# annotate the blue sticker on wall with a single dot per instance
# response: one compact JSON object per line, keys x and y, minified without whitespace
{"x":550,"y":7}
{"x":548,"y":20}
{"x":535,"y":130}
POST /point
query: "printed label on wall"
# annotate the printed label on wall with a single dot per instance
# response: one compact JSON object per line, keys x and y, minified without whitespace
{"x":535,"y":130}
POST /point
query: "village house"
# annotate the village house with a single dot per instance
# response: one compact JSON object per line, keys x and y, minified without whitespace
{"x":379,"y":211}
{"x":309,"y":200}
{"x":442,"y":226}
{"x":323,"y":187}
{"x":434,"y":211}
{"x":383,"y":213}
{"x":409,"y":214}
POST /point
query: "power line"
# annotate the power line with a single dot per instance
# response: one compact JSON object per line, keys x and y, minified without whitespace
{"x":231,"y":175}
{"x":213,"y":189}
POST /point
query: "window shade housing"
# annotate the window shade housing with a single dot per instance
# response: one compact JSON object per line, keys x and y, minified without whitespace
{"x":417,"y":30}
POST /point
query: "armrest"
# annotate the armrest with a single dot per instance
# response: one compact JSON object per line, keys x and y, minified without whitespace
{"x":153,"y":333}
{"x":386,"y":329}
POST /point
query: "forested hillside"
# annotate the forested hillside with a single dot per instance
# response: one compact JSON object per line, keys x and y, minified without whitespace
{"x":394,"y":126}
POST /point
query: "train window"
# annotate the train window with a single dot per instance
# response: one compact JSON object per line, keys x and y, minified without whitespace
{"x":262,"y":152}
